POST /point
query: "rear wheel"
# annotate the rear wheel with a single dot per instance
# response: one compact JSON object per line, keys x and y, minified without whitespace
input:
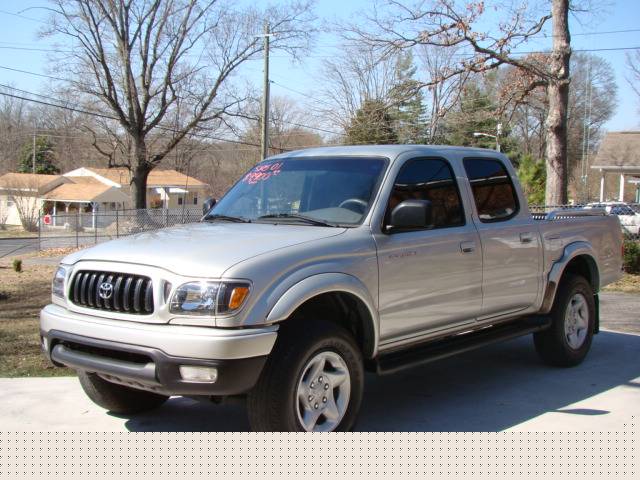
{"x":312,"y":381}
{"x":118,"y":398}
{"x":568,"y":340}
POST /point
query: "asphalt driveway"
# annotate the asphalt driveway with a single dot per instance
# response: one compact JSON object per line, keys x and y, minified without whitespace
{"x":501,"y":387}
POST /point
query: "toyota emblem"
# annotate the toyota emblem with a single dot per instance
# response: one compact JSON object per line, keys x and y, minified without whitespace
{"x":105,"y":291}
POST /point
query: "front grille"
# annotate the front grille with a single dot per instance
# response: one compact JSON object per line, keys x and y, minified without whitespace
{"x":129,"y":293}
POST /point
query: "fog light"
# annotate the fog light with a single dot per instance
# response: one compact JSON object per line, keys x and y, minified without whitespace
{"x":193,"y":373}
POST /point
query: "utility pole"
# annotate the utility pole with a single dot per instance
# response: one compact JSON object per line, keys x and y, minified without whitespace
{"x":264,"y":139}
{"x":33,"y":152}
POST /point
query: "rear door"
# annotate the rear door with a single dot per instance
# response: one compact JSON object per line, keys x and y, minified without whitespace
{"x":511,"y":245}
{"x":429,"y":278}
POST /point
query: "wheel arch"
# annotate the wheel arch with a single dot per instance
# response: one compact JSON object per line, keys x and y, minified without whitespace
{"x":578,"y":259}
{"x":342,"y":297}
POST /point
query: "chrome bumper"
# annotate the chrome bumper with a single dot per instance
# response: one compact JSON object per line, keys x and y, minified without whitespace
{"x":149,"y":356}
{"x":177,"y":340}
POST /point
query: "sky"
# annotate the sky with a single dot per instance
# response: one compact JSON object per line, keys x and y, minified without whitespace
{"x":21,"y":20}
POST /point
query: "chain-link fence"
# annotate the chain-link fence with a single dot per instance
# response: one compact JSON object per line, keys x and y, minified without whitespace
{"x":77,"y":229}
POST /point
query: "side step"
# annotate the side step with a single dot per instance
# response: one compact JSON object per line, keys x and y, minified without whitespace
{"x":449,"y":346}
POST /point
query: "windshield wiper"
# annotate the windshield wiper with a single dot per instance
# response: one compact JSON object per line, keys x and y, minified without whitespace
{"x":227,"y":218}
{"x":297,"y":216}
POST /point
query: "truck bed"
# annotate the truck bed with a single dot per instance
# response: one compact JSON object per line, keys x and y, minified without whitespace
{"x":560,"y":228}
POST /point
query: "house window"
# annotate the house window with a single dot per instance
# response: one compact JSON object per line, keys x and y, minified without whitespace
{"x":10,"y":202}
{"x":195,"y":199}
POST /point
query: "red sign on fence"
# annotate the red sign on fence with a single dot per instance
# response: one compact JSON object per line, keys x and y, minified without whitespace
{"x":46,"y":219}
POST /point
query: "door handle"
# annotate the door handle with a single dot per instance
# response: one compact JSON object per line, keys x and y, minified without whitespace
{"x":467,"y":247}
{"x":526,"y":237}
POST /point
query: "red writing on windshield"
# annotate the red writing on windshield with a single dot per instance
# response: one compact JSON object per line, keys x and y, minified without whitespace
{"x":262,"y":172}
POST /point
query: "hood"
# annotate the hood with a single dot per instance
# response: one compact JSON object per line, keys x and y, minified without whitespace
{"x":202,"y":249}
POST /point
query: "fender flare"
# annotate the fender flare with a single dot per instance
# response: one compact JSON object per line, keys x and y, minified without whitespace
{"x":570,"y":252}
{"x":318,"y":284}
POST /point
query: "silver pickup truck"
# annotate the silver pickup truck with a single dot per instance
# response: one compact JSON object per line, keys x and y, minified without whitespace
{"x":319,"y":265}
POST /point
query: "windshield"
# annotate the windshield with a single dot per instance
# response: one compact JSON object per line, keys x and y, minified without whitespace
{"x":313,"y":191}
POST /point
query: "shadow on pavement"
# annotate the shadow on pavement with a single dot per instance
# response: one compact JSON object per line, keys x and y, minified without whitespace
{"x":490,"y":389}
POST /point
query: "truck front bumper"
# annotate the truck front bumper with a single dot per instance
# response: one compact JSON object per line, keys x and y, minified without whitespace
{"x":149,"y":356}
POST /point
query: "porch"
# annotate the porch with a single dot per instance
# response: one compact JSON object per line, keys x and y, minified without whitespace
{"x":627,"y":174}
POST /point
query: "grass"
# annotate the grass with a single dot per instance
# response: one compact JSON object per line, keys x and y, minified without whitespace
{"x":12,"y":231}
{"x":22,"y":295}
{"x":628,"y":283}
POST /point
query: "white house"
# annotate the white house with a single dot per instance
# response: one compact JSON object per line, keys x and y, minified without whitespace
{"x":90,"y":190}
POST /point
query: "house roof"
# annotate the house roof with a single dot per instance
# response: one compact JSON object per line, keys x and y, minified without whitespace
{"x":86,"y":189}
{"x":157,"y":178}
{"x":619,"y":149}
{"x":27,"y":181}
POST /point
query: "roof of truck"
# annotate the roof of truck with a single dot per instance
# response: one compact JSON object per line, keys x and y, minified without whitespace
{"x":390,"y":151}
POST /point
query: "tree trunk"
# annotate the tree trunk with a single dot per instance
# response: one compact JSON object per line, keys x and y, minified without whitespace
{"x":558,"y":95}
{"x":140,"y":172}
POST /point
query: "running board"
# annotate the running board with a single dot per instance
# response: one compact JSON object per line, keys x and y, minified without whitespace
{"x":436,"y":350}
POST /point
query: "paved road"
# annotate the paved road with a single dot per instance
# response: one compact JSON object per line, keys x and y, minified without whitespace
{"x":17,"y":246}
{"x":501,"y":387}
{"x":20,"y":246}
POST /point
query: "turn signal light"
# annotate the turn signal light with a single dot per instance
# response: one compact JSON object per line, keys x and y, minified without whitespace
{"x":237,"y":298}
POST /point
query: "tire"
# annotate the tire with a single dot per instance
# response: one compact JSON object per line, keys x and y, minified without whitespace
{"x":118,"y":398}
{"x":565,"y":343}
{"x":303,"y":345}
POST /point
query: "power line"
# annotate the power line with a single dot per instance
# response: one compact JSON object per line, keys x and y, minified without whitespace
{"x":100,"y":115}
{"x":467,"y":55}
{"x":4,"y":67}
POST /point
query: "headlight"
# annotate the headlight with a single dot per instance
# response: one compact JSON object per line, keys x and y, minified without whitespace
{"x":209,"y":298}
{"x":57,"y":286}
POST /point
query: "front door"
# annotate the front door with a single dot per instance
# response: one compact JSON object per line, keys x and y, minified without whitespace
{"x":430,"y":278}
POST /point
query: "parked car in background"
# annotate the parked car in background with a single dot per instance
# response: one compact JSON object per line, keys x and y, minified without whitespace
{"x":629,"y":217}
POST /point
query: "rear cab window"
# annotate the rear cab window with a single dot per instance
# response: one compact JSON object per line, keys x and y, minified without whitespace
{"x":493,"y":192}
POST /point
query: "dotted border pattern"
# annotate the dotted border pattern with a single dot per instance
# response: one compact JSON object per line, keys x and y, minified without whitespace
{"x":352,"y":455}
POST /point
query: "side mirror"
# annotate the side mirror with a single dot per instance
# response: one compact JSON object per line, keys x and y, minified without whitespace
{"x":208,"y":204}
{"x":410,"y":215}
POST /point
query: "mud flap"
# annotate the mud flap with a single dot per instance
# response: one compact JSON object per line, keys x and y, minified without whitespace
{"x":596,"y":328}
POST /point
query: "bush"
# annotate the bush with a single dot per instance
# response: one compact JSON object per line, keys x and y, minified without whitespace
{"x":17,"y":265}
{"x":631,"y":256}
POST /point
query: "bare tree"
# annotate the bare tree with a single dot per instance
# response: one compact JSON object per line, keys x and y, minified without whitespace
{"x":633,"y":64}
{"x":4,"y":214}
{"x":592,"y":101}
{"x":357,"y":75}
{"x":16,"y":127}
{"x":137,"y":58}
{"x":24,"y":192}
{"x":445,"y":23}
{"x":443,"y":94}
{"x":288,"y":128}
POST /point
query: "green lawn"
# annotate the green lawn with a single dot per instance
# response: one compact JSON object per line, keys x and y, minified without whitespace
{"x":22,"y":295}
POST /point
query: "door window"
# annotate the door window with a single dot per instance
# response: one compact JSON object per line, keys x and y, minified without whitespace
{"x":493,"y":191}
{"x":429,"y":179}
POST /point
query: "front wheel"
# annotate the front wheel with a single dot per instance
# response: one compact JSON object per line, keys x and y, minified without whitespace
{"x":568,"y":340}
{"x":312,"y":381}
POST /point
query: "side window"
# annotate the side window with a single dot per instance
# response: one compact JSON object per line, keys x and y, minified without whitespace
{"x":493,"y":191}
{"x":433,"y":180}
